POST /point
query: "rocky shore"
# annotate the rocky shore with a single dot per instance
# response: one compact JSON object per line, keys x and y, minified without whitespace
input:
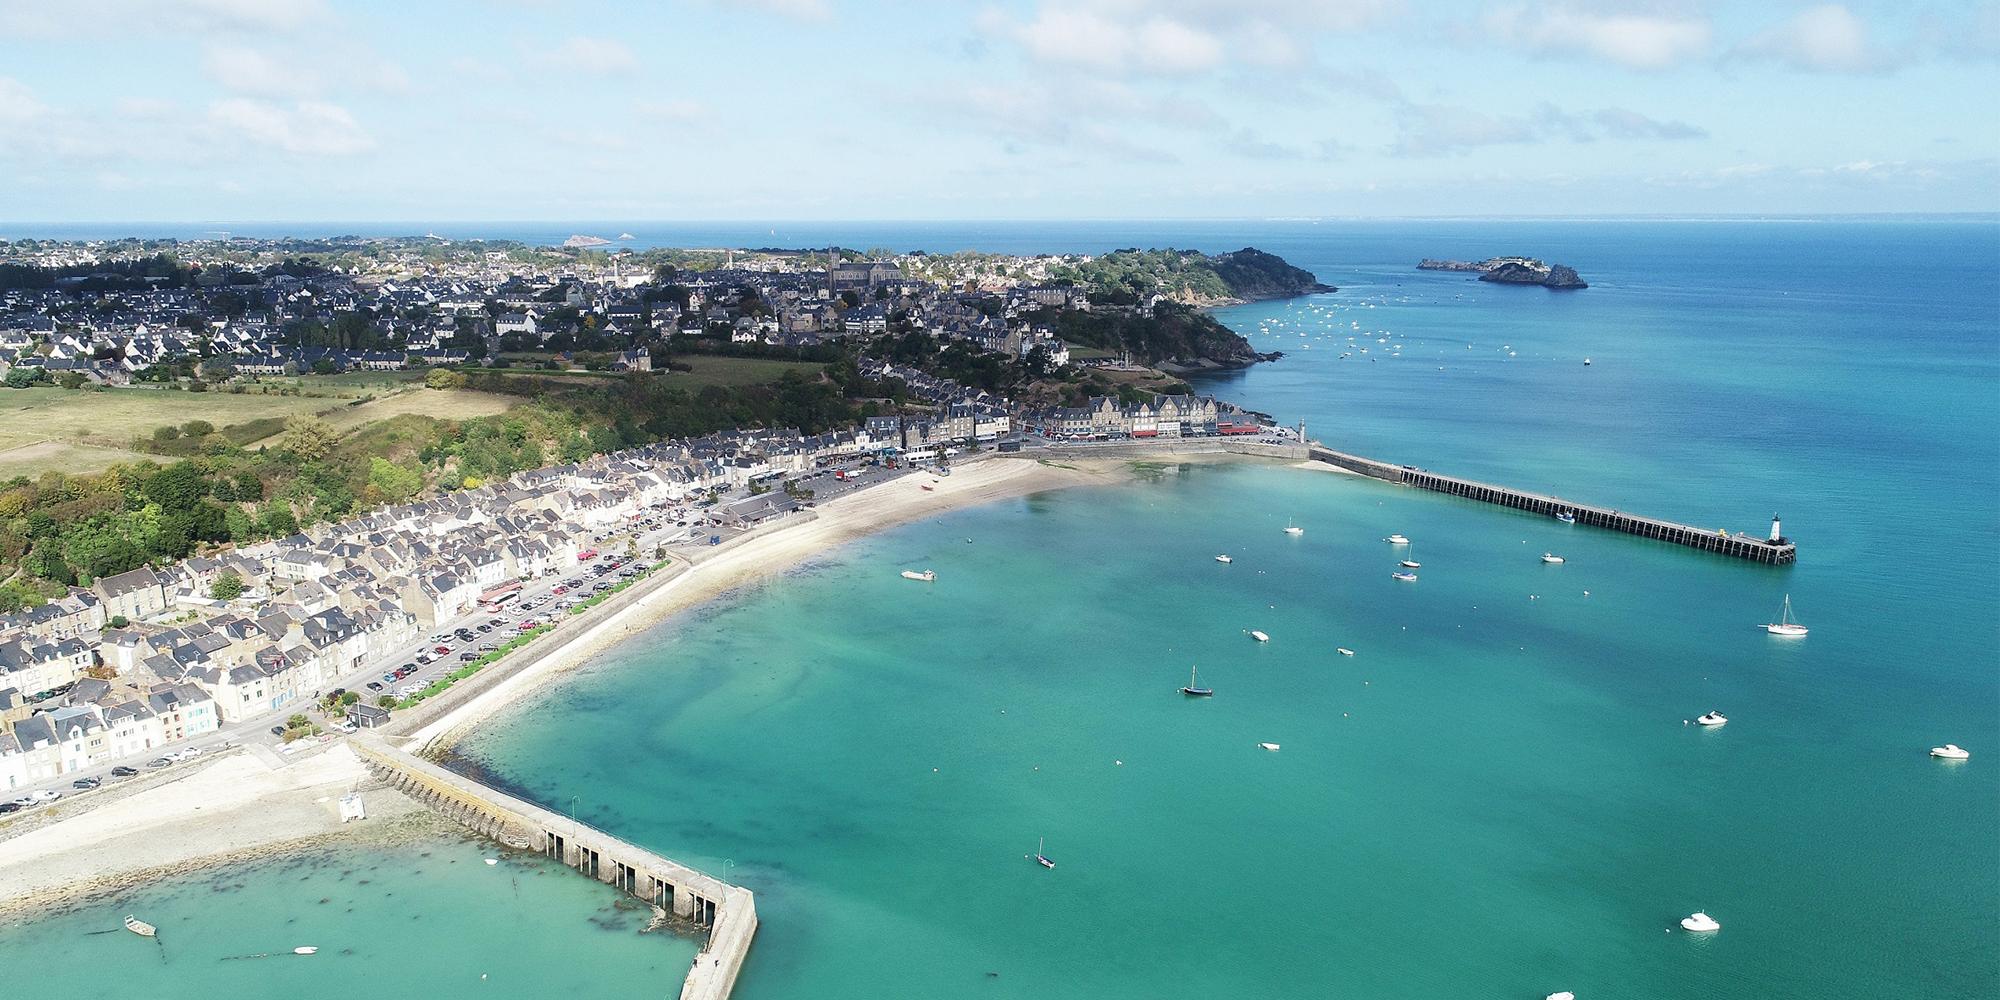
{"x":1512,"y":271}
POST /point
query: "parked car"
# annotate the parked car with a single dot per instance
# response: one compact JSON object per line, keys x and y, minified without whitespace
{"x":374,"y":685}
{"x":422,"y":658}
{"x":121,"y":771}
{"x":468,"y":656}
{"x":441,"y":649}
{"x":158,"y":762}
{"x":86,"y":784}
{"x":9,"y":807}
{"x":275,"y":731}
{"x":190,"y":753}
{"x":44,"y":795}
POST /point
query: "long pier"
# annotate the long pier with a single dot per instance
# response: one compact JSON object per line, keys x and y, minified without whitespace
{"x":728,"y":912}
{"x":1740,"y":546}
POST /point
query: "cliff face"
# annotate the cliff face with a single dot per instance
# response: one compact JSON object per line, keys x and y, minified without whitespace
{"x":1254,"y":275}
{"x":1172,"y":336}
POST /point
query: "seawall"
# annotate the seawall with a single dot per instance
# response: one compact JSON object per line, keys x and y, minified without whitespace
{"x":728,"y":912}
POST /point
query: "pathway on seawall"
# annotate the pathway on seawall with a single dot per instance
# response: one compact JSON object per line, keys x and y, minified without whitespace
{"x":728,"y":912}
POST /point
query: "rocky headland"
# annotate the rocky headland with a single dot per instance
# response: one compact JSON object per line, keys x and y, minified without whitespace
{"x":1512,"y":271}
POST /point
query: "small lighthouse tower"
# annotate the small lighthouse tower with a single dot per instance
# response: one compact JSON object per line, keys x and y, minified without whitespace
{"x":1776,"y":534}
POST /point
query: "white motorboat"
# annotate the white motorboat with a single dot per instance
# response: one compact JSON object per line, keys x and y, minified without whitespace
{"x":1700,"y":922}
{"x":1343,"y":650}
{"x":1223,"y":559}
{"x":1712,"y":718}
{"x":1566,"y":517}
{"x":306,"y":949}
{"x":1269,"y":746}
{"x":927,"y":576}
{"x":1405,"y":576}
{"x":1259,"y":636}
{"x":1950,"y":751}
{"x":1397,"y":540}
{"x":1564,"y":995}
{"x":1785,"y":626}
{"x":1552,"y":559}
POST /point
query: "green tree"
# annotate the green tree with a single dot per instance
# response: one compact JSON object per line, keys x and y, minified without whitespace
{"x":444,"y":378}
{"x":227,"y":586}
{"x":396,"y":483}
{"x":310,"y":438}
{"x":197,"y":428}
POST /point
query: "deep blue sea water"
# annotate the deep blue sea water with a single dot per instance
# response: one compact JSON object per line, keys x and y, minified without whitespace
{"x":1497,"y":796}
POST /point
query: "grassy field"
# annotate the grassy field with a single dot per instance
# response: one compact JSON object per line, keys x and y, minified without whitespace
{"x":48,"y":428}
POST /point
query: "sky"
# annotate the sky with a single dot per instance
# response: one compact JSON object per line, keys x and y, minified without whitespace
{"x":338,"y":110}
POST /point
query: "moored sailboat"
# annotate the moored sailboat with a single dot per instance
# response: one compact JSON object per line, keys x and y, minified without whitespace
{"x":1194,"y":688}
{"x":1785,"y":626}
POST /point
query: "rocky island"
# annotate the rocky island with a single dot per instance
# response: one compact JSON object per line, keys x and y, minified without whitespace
{"x":1512,"y":271}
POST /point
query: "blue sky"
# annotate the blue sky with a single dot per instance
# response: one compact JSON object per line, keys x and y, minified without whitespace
{"x":169,"y":110}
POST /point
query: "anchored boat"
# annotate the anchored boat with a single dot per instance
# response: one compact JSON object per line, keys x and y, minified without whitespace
{"x":1041,"y":858}
{"x":1405,"y":576}
{"x":1566,"y":517}
{"x":1552,"y":559}
{"x":1700,"y":922}
{"x":1397,"y":540}
{"x":1259,"y":636}
{"x":1194,"y":688}
{"x":1223,"y":559}
{"x":1785,"y":626}
{"x":1293,"y":529}
{"x":1950,"y":751}
{"x":927,"y":576}
{"x":140,"y":927}
{"x":1712,"y":718}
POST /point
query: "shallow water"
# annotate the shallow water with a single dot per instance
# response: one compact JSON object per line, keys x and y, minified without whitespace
{"x":418,"y":921}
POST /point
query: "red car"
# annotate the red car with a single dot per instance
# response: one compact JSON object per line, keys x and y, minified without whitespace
{"x":586,"y":555}
{"x":441,"y":650}
{"x":562,"y":590}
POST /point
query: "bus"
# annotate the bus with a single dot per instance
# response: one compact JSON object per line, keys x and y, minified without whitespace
{"x":496,"y":598}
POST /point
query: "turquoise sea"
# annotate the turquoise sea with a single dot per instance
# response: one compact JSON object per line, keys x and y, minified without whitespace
{"x":1497,"y":796}
{"x":413,"y":921}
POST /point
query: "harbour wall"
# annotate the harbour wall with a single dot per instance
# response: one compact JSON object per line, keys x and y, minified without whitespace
{"x":1737,"y":546}
{"x":727,"y":912}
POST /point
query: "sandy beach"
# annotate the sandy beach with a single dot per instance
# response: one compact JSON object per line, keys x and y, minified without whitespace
{"x":251,"y":803}
{"x":238,"y":805}
{"x":839,"y":521}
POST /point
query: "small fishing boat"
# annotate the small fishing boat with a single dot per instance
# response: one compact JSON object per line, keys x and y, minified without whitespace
{"x":1785,"y":626}
{"x":140,"y":927}
{"x":306,"y":949}
{"x":1194,"y":688}
{"x":1397,"y":540}
{"x":1259,"y":636}
{"x":1343,"y":650}
{"x":1041,"y":858}
{"x":1586,"y":362}
{"x":1223,"y":559}
{"x":1553,"y":559}
{"x":1950,"y":751}
{"x":1566,"y":517}
{"x":1293,"y":529}
{"x":1712,"y":718}
{"x":927,"y":576}
{"x":1269,"y":746}
{"x":1405,"y":576}
{"x":1700,"y":922}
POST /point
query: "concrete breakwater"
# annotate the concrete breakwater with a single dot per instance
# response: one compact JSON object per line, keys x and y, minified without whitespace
{"x":728,"y":912}
{"x":1776,"y":552}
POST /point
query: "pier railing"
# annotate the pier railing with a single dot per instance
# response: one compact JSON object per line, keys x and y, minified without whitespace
{"x":728,"y":912}
{"x":1738,"y":546}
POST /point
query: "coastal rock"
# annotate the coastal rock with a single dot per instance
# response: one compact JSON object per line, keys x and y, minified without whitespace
{"x":1253,"y":275}
{"x":1511,"y":271}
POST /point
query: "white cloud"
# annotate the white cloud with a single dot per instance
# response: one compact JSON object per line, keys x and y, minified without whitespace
{"x":677,"y":112}
{"x":18,"y":105}
{"x":592,"y":55}
{"x":1644,"y":41}
{"x":246,"y":70}
{"x":1176,"y":37}
{"x":1824,"y":39}
{"x":312,"y":128}
{"x":87,"y":18}
{"x":1444,"y":129}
